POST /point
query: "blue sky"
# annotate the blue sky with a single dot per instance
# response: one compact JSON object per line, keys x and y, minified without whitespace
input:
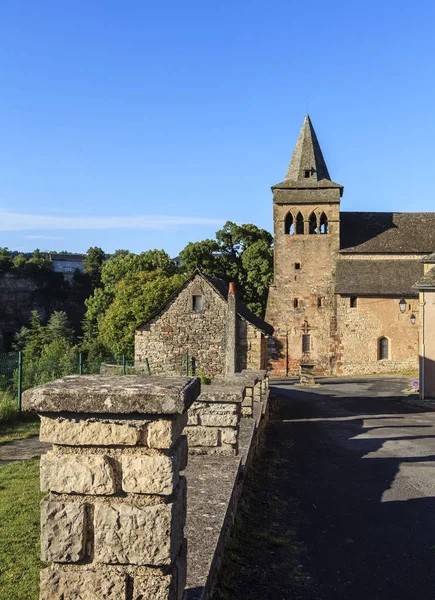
{"x":144,"y":125}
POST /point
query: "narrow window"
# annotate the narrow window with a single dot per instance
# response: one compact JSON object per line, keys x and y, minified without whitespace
{"x":323,"y":223}
{"x":313,"y":223}
{"x":300,"y":224}
{"x":289,"y":227}
{"x":353,"y":302}
{"x":384,"y":348}
{"x":295,"y":302}
{"x":306,"y":342}
{"x":307,"y":173}
{"x":319,"y":302}
{"x":297,"y":266}
{"x":197,"y":303}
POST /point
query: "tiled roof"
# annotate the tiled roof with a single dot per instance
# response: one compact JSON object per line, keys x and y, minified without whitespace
{"x":394,"y":277}
{"x":386,"y":232}
{"x":427,"y":281}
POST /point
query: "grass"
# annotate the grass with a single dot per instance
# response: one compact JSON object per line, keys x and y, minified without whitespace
{"x":19,"y":530}
{"x":22,"y":429}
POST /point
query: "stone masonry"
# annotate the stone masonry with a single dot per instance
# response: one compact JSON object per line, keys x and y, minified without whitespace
{"x":214,"y":419}
{"x":112,"y":523}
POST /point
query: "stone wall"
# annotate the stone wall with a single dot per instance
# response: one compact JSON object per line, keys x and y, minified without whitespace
{"x":112,"y":523}
{"x":428,"y":297}
{"x":251,"y":347}
{"x":360,"y":328}
{"x":214,"y":420}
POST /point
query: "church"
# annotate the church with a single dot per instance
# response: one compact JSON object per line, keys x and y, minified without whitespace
{"x":342,"y":298}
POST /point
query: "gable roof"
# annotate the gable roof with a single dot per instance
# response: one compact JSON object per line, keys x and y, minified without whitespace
{"x":429,"y":259}
{"x":386,"y":232}
{"x":221,"y":288}
{"x":427,"y":281}
{"x":394,"y":277}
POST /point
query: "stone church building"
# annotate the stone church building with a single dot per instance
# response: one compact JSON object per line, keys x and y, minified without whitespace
{"x":339,"y":276}
{"x":206,"y":322}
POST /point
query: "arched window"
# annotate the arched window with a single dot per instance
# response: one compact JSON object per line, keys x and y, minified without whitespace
{"x":289,"y":227}
{"x":299,"y":224}
{"x":323,"y":223}
{"x":313,"y":223}
{"x":383,"y":348}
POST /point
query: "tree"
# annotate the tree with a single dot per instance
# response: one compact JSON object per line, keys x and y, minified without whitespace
{"x":136,"y":298}
{"x":94,"y":260}
{"x":58,"y":327}
{"x":35,"y":336}
{"x":240,"y":253}
{"x":6,"y":262}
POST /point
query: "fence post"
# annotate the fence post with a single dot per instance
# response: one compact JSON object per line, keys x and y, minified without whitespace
{"x":80,"y":363}
{"x":187,"y":365}
{"x":20,"y":379}
{"x":124,"y":366}
{"x":148,"y":366}
{"x":193,"y":365}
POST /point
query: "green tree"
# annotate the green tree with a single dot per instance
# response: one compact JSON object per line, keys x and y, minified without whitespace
{"x":94,"y":260}
{"x":35,"y":337}
{"x":6,"y":262}
{"x":20,"y":261}
{"x":58,"y":327}
{"x":240,"y":253}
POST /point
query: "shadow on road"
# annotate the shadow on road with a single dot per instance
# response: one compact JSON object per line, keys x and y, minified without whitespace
{"x":356,"y":480}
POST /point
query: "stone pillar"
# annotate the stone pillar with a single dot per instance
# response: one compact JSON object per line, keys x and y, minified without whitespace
{"x":237,"y":381}
{"x":231,"y":347}
{"x":214,"y":419}
{"x":112,"y":525}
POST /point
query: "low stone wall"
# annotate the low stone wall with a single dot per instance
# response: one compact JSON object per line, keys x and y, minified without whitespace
{"x":113,"y":522}
{"x":236,"y":381}
{"x":214,"y":419}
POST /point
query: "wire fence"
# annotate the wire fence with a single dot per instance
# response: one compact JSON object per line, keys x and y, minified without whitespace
{"x":18,"y":373}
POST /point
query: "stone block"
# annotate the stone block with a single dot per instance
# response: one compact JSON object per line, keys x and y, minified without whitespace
{"x":163,"y":434}
{"x":202,"y":436}
{"x":248,"y":401}
{"x":149,"y":474}
{"x":63,"y":531}
{"x":74,"y":432}
{"x":83,"y":584}
{"x":229,"y":435}
{"x":193,"y":418}
{"x":125,"y":394}
{"x":77,"y":474}
{"x":219,"y":420}
{"x":138,"y":535}
{"x":221,"y":393}
{"x":155,"y":587}
{"x":247,"y":411}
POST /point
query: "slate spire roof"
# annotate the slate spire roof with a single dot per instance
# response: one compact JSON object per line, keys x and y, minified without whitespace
{"x":307,"y":156}
{"x":307,"y":168}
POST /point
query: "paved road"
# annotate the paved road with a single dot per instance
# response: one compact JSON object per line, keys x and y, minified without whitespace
{"x":364,"y":474}
{"x":22,"y":450}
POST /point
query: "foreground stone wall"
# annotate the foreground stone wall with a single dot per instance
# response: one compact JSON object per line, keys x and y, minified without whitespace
{"x":112,"y":524}
{"x":251,"y":347}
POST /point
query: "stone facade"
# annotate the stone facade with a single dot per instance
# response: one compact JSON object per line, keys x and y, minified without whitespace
{"x":338,"y":277}
{"x":426,"y":287}
{"x":112,"y":523}
{"x":182,"y":328}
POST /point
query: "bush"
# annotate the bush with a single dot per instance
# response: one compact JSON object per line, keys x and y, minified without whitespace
{"x":8,"y":407}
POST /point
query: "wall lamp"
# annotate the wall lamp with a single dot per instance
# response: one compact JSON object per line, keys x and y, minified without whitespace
{"x":413,"y":319}
{"x":402,"y":304}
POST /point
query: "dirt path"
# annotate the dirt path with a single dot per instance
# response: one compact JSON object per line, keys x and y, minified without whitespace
{"x":22,"y":450}
{"x":352,"y":470}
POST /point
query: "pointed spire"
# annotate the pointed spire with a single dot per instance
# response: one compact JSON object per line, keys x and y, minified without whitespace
{"x":307,"y":163}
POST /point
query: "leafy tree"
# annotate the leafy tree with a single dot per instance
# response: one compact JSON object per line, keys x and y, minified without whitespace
{"x":6,"y":262}
{"x":35,"y":336}
{"x":58,"y":327}
{"x":136,"y":298}
{"x":240,"y":253}
{"x":20,"y":261}
{"x":94,"y":260}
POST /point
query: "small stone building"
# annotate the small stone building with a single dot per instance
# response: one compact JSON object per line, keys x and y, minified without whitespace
{"x":194,"y":323}
{"x":426,"y":288}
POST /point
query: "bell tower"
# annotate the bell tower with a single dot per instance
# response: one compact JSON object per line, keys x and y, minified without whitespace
{"x":301,"y":304}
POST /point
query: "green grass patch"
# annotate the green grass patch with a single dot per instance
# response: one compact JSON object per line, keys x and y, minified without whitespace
{"x":19,"y":530}
{"x":8,"y":406}
{"x":19,"y":429}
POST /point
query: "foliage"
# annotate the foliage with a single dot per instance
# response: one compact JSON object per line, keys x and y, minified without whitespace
{"x":6,"y":262}
{"x":94,"y":260}
{"x":133,"y":286}
{"x":19,"y":531}
{"x":240,"y":253}
{"x":58,"y":327}
{"x":8,"y":407}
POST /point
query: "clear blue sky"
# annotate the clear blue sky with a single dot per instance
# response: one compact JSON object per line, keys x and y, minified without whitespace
{"x":143,"y":125}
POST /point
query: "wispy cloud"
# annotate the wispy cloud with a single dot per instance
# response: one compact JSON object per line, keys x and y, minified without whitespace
{"x":10,"y":221}
{"x":42,"y":237}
